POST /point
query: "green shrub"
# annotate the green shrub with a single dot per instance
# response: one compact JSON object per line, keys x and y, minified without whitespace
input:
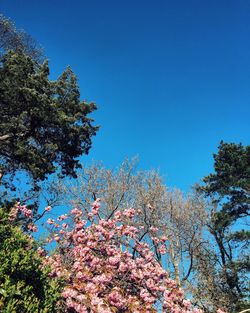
{"x":24,"y":284}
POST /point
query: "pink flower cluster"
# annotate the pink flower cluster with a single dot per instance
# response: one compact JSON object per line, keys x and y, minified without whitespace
{"x":107,"y":269}
{"x":32,"y":227}
{"x":22,"y":209}
{"x":26,"y":212}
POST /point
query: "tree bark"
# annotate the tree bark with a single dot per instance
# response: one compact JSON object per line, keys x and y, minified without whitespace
{"x":5,"y":137}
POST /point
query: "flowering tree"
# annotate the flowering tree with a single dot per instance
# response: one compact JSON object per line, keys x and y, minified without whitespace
{"x":99,"y":266}
{"x":170,"y":213}
{"x":107,"y":269}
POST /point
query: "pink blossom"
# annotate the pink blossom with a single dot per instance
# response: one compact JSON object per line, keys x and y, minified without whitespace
{"x":26,"y":212}
{"x":115,"y":298}
{"x":153,"y":229}
{"x":162,"y":249}
{"x":221,"y":311}
{"x":129,"y":213}
{"x":95,"y":207}
{"x":32,"y":227}
{"x":50,"y":221}
{"x":57,"y":238}
{"x":101,"y":273}
{"x":48,"y":209}
{"x":41,"y":251}
{"x":62,"y":217}
{"x":114,"y":260}
{"x":76,"y":211}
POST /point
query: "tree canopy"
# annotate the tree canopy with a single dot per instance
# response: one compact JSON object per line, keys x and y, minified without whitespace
{"x":13,"y":39}
{"x":231,"y":178}
{"x":229,"y":189}
{"x":43,"y":123}
{"x":136,"y":249}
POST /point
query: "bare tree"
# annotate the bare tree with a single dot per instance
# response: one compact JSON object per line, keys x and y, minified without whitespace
{"x":14,"y":39}
{"x":208,"y":289}
{"x":211,"y":290}
{"x":164,"y":213}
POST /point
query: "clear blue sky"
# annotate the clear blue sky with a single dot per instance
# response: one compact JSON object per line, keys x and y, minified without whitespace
{"x":170,"y":78}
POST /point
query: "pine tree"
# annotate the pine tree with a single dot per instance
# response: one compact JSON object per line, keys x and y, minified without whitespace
{"x":43,"y":124}
{"x":229,"y":189}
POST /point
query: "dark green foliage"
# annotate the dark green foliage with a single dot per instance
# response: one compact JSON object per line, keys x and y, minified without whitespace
{"x":229,"y":189}
{"x":43,"y":123}
{"x":24,"y":284}
{"x":232,"y":179}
